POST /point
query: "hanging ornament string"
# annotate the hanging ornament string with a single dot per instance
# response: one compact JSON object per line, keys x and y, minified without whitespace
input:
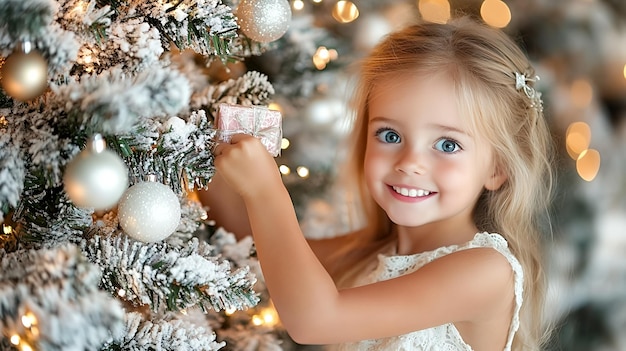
{"x":24,"y":74}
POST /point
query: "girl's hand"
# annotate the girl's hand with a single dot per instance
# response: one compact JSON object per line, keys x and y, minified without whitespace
{"x":247,"y":167}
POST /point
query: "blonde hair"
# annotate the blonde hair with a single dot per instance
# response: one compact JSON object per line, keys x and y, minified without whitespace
{"x":482,"y":62}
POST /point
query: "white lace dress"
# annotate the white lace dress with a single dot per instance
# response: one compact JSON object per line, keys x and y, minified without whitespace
{"x":444,"y":337}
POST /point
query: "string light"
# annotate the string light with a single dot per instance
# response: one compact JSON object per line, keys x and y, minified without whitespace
{"x":436,"y":11}
{"x":302,"y":171}
{"x":229,"y":310}
{"x":284,"y":170}
{"x":298,"y":5}
{"x":495,"y":13}
{"x":7,"y":229}
{"x":577,"y":139}
{"x":323,"y":56}
{"x":284,"y":143}
{"x":345,"y":11}
{"x":588,"y":164}
{"x":29,"y":320}
{"x":15,"y":339}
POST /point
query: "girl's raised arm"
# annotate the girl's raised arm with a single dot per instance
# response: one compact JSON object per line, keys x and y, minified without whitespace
{"x":461,"y":287}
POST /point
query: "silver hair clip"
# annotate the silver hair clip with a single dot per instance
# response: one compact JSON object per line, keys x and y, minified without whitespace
{"x":521,"y":83}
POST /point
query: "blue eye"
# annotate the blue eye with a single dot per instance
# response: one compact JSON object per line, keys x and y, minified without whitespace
{"x":447,"y":145}
{"x":387,"y":136}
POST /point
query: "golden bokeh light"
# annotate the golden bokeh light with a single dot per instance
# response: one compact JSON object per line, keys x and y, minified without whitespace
{"x":284,"y":170}
{"x":345,"y":11}
{"x":588,"y":164}
{"x":284,"y":143}
{"x":495,"y":13}
{"x":297,"y":5}
{"x":577,"y":139}
{"x":436,"y":11}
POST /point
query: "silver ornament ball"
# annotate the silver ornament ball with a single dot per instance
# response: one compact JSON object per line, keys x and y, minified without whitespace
{"x":264,"y":20}
{"x":149,"y":211}
{"x":24,"y":74}
{"x":95,"y":179}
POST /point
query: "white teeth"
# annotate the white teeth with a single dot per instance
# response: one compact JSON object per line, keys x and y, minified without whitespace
{"x":411,"y":192}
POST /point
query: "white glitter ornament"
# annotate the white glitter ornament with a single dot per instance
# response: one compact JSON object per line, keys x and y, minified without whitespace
{"x":264,"y":20}
{"x":149,"y":211}
{"x":96,"y":177}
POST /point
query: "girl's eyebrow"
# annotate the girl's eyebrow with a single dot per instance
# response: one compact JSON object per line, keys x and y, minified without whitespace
{"x":448,"y":128}
{"x":437,"y":126}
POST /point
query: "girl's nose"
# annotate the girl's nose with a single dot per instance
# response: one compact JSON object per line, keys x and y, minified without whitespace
{"x":411,"y":162}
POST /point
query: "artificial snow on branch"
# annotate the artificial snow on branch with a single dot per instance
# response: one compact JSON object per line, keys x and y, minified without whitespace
{"x":164,"y":335}
{"x":57,"y":290}
{"x":170,"y":278}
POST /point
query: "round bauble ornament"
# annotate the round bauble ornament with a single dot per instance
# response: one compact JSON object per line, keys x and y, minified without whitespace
{"x":96,"y":177}
{"x":264,"y":20}
{"x":24,"y":74}
{"x":149,"y":211}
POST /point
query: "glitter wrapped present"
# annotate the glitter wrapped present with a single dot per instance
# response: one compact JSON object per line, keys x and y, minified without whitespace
{"x":258,"y":121}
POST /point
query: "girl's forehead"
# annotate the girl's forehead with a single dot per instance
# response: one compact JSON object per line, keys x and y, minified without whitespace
{"x":438,"y":92}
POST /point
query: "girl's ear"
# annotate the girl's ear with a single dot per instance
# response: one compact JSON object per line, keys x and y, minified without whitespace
{"x":495,"y":181}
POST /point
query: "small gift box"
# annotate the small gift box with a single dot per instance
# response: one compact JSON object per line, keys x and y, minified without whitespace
{"x":258,"y":121}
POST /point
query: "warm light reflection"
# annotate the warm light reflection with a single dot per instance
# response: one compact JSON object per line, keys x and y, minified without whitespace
{"x":275,"y":106}
{"x":495,"y":13}
{"x":588,"y":164}
{"x":437,"y":11}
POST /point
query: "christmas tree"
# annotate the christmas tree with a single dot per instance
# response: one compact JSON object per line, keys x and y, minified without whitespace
{"x":142,"y":80}
{"x":106,"y":130}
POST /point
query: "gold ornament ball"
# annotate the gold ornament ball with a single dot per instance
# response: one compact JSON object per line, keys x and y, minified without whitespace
{"x":24,"y":76}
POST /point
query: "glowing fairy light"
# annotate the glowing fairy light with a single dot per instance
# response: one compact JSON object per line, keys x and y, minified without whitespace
{"x":436,"y":11}
{"x":229,"y":311}
{"x":588,"y":164}
{"x":495,"y":13}
{"x":345,"y":11}
{"x":323,"y":56}
{"x":284,"y":170}
{"x":577,"y":139}
{"x":121,"y":293}
{"x":298,"y":5}
{"x":7,"y":229}
{"x":284,"y":143}
{"x":28,"y":320}
{"x":257,"y":320}
{"x":15,"y":339}
{"x":302,"y":171}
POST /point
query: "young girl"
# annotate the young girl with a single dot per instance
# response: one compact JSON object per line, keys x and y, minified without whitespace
{"x":451,"y":163}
